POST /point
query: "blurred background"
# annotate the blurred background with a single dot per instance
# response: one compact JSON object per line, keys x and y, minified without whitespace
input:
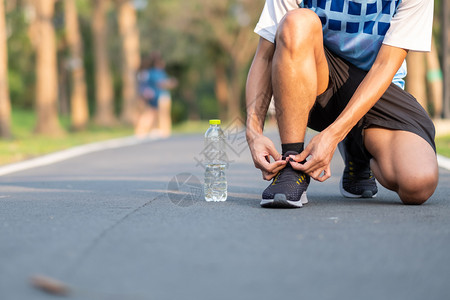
{"x":68,"y":67}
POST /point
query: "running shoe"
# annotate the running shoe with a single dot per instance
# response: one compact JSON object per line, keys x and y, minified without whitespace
{"x":357,"y":180}
{"x":288,"y":188}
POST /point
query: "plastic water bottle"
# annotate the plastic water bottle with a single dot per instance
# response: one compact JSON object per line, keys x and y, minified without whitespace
{"x":215,"y":186}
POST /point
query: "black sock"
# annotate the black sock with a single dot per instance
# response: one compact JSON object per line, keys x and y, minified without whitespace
{"x":297,"y":147}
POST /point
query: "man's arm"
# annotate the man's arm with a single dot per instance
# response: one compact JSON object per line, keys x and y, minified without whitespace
{"x":322,"y":146}
{"x":258,"y":95}
{"x":259,"y":88}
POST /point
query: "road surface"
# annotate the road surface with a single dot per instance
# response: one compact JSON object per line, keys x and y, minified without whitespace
{"x":129,"y":223}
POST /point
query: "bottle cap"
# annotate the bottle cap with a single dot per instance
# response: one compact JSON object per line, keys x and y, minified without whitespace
{"x":214,"y":122}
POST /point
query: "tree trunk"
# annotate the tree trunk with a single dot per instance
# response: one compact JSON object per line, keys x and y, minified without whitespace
{"x":46,"y":70}
{"x":104,"y":94}
{"x":5,"y":103}
{"x":78,"y":99}
{"x":415,"y":80}
{"x":64,"y":99}
{"x":445,"y":8}
{"x":434,"y":79}
{"x":130,"y":57}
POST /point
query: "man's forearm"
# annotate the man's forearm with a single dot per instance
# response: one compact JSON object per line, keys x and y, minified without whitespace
{"x":370,"y":90}
{"x":256,"y":114}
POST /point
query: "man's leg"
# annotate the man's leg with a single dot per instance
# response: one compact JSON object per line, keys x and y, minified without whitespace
{"x":299,"y":73}
{"x":403,"y":162}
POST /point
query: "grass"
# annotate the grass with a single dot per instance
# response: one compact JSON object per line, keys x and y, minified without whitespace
{"x":25,"y":144}
{"x":190,"y":127}
{"x":443,"y":145}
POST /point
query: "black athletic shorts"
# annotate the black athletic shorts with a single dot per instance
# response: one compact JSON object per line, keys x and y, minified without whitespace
{"x":396,"y":109}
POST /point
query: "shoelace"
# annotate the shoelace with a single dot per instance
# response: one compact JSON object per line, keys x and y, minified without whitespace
{"x":301,"y":177}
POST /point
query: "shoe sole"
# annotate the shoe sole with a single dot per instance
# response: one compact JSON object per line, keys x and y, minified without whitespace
{"x":280,"y":201}
{"x":365,"y":194}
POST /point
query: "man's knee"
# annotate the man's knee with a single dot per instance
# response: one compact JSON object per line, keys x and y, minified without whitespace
{"x":298,"y":28}
{"x":418,"y":188}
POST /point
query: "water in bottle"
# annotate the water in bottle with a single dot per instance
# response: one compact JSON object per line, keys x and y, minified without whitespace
{"x":215,"y":186}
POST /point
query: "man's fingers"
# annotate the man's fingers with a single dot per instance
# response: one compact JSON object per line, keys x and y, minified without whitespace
{"x":279,"y":166}
{"x":319,"y":172}
{"x":301,"y":156}
{"x":311,"y":166}
{"x":296,"y":165}
{"x":304,"y":167}
{"x":321,"y":175}
{"x":275,"y":166}
{"x":270,"y":175}
{"x":267,"y":175}
{"x":274,"y":153}
{"x":270,"y":166}
{"x":269,"y":170}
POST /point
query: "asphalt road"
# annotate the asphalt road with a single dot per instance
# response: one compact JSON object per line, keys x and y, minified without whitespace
{"x":129,"y":223}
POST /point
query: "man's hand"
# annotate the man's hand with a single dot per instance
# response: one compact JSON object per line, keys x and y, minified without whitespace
{"x":262,"y":148}
{"x":320,"y":151}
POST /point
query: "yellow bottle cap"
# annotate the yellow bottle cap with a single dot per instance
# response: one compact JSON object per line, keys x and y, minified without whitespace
{"x":214,"y":122}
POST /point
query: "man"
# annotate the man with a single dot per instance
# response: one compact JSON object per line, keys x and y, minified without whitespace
{"x":337,"y":66}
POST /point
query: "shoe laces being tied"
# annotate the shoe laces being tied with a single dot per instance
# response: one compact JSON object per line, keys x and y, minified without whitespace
{"x":288,"y":181}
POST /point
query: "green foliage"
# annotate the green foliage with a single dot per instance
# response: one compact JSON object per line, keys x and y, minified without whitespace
{"x":181,"y":30}
{"x":209,"y":107}
{"x":443,"y":145}
{"x":190,"y":127}
{"x":179,"y":111}
{"x":184,"y":31}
